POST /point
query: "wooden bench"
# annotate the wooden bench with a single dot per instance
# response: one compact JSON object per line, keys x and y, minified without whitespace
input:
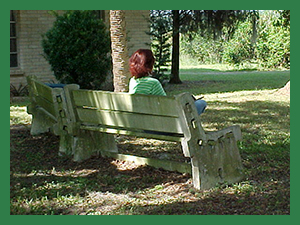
{"x":88,"y":120}
{"x":48,"y":109}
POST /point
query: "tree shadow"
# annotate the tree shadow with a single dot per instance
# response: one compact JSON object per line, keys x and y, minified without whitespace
{"x":265,"y":126}
{"x":263,"y":114}
{"x":35,"y":164}
{"x":248,"y":203}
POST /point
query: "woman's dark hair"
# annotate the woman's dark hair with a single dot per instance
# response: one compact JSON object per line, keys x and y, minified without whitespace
{"x":141,"y":63}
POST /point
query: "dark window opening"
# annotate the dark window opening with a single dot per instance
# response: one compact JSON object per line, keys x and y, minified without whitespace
{"x":13,"y":40}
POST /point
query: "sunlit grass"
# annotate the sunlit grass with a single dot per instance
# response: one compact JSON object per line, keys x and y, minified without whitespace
{"x":202,"y":82}
{"x":19,"y":115}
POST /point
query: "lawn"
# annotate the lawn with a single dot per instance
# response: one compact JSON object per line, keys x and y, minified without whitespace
{"x":43,"y":183}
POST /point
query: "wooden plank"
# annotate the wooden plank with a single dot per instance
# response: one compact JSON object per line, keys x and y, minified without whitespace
{"x":44,"y":103}
{"x":130,"y":120}
{"x":157,"y":163}
{"x":144,"y":104}
{"x":136,"y":133}
{"x":47,"y":115}
{"x":235,"y":130}
{"x":42,"y":90}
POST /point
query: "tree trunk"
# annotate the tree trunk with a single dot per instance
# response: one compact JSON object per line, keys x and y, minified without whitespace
{"x":119,"y":51}
{"x":175,"y":49}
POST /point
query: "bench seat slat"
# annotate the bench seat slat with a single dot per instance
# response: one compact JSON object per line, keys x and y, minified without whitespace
{"x":137,"y":133}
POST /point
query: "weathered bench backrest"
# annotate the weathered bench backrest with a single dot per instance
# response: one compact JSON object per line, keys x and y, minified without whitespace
{"x":127,"y":111}
{"x":42,"y":96}
{"x":47,"y":106}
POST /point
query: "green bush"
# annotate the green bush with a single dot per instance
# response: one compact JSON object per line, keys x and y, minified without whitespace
{"x":204,"y":49}
{"x":77,"y":48}
{"x":239,"y":48}
{"x":273,"y":43}
{"x":269,"y":46}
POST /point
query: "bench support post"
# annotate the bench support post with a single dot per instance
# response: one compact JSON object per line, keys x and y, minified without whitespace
{"x":215,"y":156}
{"x":41,"y":123}
{"x":88,"y":143}
{"x":217,"y":162}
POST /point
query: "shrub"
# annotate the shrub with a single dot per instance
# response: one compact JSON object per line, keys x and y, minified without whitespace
{"x":273,"y":44}
{"x":18,"y":91}
{"x":77,"y":48}
{"x":205,"y":49}
{"x":268,"y":46}
{"x":239,"y":48}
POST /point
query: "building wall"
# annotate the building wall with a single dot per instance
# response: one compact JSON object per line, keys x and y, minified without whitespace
{"x":31,"y":24}
{"x":136,"y":26}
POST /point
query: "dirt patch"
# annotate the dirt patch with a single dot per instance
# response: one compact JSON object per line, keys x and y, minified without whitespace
{"x":285,"y":90}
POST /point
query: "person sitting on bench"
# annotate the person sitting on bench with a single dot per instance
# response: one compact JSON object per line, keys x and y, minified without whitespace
{"x":141,"y":64}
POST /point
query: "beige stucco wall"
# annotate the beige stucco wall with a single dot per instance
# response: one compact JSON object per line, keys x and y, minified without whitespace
{"x":31,"y":24}
{"x":136,"y":27}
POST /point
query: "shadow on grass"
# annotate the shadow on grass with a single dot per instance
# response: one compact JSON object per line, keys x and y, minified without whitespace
{"x":35,"y":164}
{"x":265,"y":115}
{"x":265,"y":125}
{"x":37,"y":171}
{"x":274,"y":201}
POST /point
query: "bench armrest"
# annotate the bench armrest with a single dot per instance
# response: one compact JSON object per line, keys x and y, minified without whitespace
{"x":235,"y":130}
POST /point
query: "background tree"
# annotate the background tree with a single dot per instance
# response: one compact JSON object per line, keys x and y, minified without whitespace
{"x":119,"y":50}
{"x":273,"y":43}
{"x":205,"y":22}
{"x":77,"y":48}
{"x":175,"y":79}
{"x":160,"y":30}
{"x":261,"y":38}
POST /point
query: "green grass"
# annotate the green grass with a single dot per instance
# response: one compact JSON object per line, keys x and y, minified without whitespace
{"x":43,"y":183}
{"x":201,"y":81}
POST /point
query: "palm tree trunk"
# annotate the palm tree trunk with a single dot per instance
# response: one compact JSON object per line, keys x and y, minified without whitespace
{"x":119,"y":50}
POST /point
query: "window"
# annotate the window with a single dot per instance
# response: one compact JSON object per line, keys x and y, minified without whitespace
{"x":13,"y":40}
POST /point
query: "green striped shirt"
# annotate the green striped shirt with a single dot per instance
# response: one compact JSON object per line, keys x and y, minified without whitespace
{"x":146,"y":86}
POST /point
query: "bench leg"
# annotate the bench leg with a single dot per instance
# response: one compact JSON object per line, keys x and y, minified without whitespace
{"x":40,"y":124}
{"x":232,"y":170}
{"x":65,"y":144}
{"x":88,"y":143}
{"x":217,"y":162}
{"x":196,"y":173}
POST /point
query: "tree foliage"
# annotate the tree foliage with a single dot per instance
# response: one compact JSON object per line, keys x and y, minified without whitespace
{"x":77,"y":48}
{"x":167,"y":24}
{"x":160,"y":31}
{"x":273,"y":43}
{"x":262,"y":38}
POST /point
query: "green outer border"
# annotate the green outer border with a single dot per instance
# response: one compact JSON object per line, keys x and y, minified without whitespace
{"x":130,"y":5}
